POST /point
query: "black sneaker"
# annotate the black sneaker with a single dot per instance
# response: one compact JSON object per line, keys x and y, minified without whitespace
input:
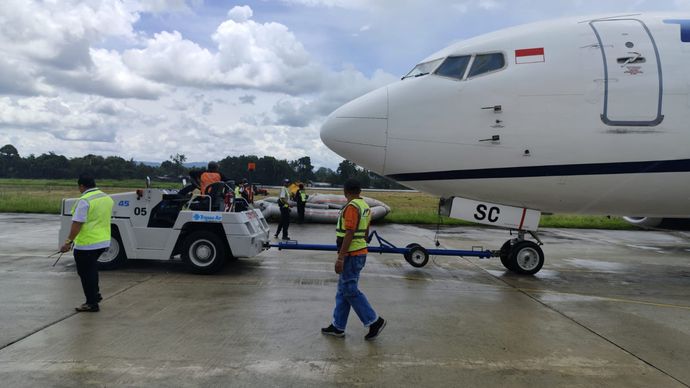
{"x":286,"y":238}
{"x":87,"y":308}
{"x":331,"y":330}
{"x":375,"y":329}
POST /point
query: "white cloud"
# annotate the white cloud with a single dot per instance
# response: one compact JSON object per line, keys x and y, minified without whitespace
{"x":54,"y":43}
{"x":169,"y":58}
{"x":19,"y":79}
{"x":240,"y":14}
{"x":161,"y":6}
{"x":51,"y":31}
{"x":248,"y":55}
{"x":75,"y":121}
{"x":108,"y":77}
{"x":339,"y":88}
{"x":294,"y":112}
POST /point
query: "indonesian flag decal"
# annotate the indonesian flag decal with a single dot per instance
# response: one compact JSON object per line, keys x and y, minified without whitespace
{"x":530,"y":55}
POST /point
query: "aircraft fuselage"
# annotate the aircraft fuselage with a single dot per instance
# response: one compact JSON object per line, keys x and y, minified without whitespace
{"x":573,"y":116}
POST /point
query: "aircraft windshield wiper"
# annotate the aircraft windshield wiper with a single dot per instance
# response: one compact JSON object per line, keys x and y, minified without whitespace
{"x":415,"y":75}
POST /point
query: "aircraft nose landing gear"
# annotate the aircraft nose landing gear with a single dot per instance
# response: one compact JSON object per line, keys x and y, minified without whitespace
{"x":522,"y":256}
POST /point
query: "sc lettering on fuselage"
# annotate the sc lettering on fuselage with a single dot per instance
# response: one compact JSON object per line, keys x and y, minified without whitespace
{"x":487,"y":213}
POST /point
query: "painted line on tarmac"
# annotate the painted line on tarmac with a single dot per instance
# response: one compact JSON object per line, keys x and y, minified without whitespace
{"x":606,"y":298}
{"x":71,"y":315}
{"x":582,"y":325}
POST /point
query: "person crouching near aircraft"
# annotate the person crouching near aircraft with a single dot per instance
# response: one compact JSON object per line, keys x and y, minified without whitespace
{"x":351,"y":237}
{"x":90,"y":235}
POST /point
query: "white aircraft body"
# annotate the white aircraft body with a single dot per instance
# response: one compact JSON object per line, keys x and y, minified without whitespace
{"x":582,"y":115}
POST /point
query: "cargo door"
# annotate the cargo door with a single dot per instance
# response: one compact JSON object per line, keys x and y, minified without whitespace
{"x":633,"y":76}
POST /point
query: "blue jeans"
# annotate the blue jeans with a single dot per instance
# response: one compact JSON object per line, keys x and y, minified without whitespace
{"x":349,"y":295}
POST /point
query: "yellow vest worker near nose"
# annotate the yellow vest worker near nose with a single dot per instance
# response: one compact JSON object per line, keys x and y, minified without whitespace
{"x":351,"y":236}
{"x":90,"y":236}
{"x":358,"y":244}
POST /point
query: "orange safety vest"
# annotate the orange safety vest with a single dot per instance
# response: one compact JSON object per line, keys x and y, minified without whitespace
{"x":207,"y":178}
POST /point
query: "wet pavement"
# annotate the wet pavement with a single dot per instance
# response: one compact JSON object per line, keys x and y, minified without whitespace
{"x":609,"y":308}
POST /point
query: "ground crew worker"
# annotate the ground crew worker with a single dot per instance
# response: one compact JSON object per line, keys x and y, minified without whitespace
{"x":238,"y":190}
{"x":248,"y":192}
{"x":90,"y":236}
{"x":211,"y":175}
{"x":284,"y":205}
{"x":301,"y":199}
{"x":352,"y":230}
{"x":241,"y":197}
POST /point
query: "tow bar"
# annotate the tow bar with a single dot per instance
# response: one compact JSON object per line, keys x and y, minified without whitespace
{"x":415,"y":254}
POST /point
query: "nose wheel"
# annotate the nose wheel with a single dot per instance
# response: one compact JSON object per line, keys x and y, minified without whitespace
{"x":522,"y":256}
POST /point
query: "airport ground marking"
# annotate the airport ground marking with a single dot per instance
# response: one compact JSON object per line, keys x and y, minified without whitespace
{"x":606,"y":298}
{"x":73,"y":313}
{"x":580,"y":324}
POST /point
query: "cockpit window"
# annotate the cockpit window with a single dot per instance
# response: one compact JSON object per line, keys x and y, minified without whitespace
{"x":484,"y":63}
{"x":423,"y":68}
{"x":454,"y":67}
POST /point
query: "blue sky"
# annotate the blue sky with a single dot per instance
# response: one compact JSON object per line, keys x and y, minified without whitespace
{"x":148,"y":79}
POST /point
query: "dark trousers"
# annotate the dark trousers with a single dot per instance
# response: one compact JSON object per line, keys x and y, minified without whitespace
{"x":284,"y":221}
{"x":300,"y":212}
{"x":87,"y":268}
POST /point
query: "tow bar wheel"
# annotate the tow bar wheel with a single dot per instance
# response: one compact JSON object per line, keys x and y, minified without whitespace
{"x":526,"y":258}
{"x":203,"y":252}
{"x":417,"y":255}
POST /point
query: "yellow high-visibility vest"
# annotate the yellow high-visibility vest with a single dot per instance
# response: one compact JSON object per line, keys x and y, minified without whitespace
{"x":96,"y":229}
{"x":359,"y":240}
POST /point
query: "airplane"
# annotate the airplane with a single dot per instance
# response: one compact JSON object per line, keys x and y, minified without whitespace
{"x":583,"y":115}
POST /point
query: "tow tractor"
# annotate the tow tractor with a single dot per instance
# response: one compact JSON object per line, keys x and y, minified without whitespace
{"x":159,"y":224}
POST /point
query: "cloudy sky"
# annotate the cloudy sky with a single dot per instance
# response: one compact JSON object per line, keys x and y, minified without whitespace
{"x":145,"y":79}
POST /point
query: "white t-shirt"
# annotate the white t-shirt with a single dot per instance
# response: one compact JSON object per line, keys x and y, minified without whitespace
{"x":284,"y":193}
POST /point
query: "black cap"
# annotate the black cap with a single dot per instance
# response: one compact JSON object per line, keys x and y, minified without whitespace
{"x":87,"y":180}
{"x":353,"y":186}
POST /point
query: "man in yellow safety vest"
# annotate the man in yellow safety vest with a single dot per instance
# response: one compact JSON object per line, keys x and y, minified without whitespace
{"x":90,"y":237}
{"x":352,"y":231}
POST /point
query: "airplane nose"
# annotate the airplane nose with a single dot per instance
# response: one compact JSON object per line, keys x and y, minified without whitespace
{"x":358,"y":130}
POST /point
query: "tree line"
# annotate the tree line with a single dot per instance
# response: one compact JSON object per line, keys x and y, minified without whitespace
{"x":267,"y":169}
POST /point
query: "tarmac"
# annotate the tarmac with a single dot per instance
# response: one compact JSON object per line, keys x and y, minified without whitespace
{"x":609,"y":308}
